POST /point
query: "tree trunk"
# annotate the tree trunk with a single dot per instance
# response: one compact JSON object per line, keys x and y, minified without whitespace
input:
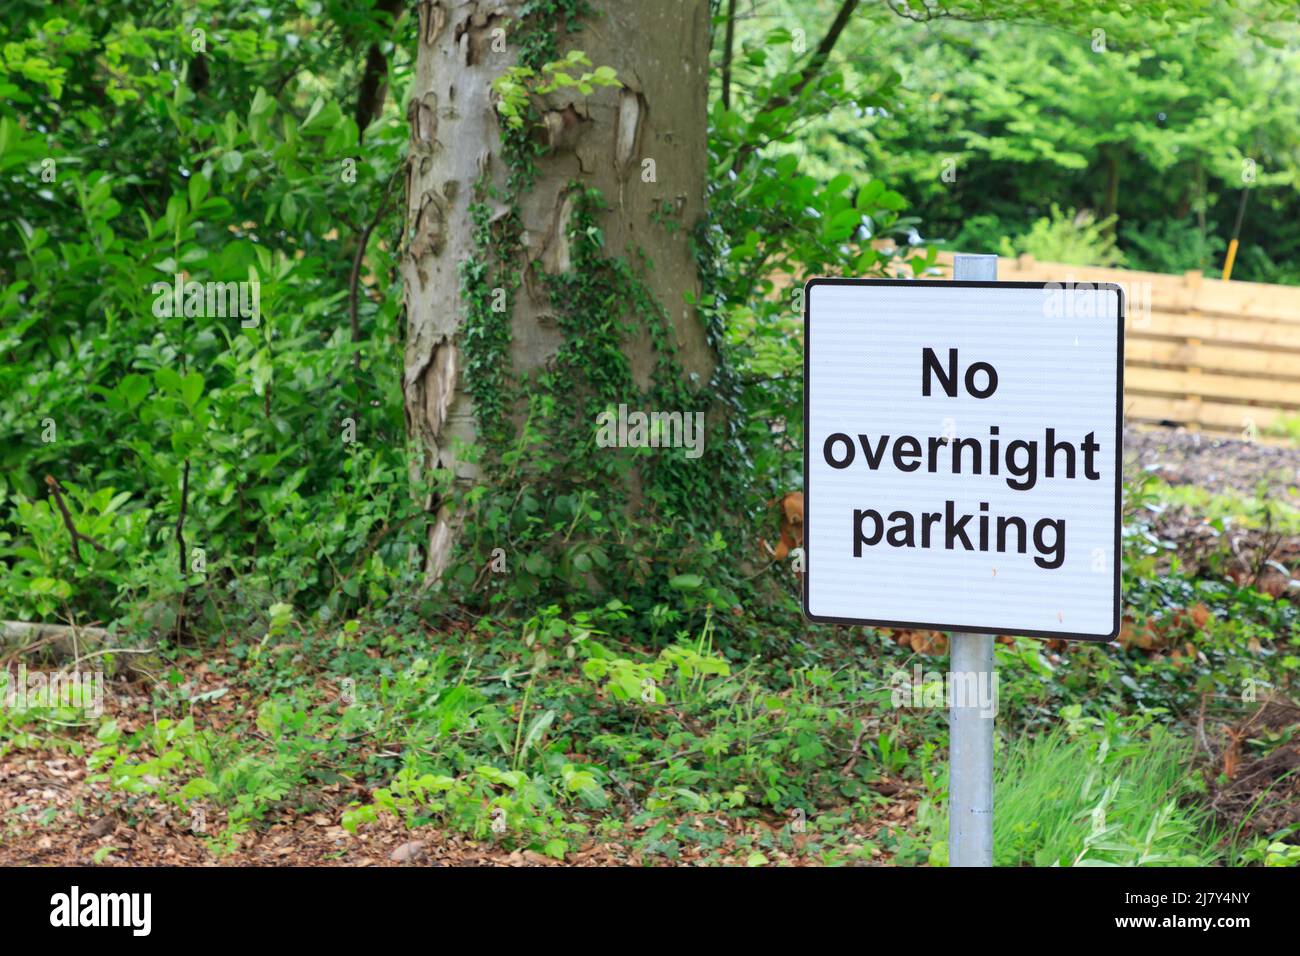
{"x":603,"y":140}
{"x":1112,"y":191}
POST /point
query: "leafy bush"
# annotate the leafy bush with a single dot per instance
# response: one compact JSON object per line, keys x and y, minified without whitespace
{"x":228,"y":434}
{"x":1171,"y":246}
{"x":1075,"y":238}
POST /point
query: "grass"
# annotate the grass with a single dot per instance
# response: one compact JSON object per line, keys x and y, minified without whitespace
{"x":1092,"y":793}
{"x":1063,"y":800}
{"x":1242,"y":509}
{"x":1285,"y":426}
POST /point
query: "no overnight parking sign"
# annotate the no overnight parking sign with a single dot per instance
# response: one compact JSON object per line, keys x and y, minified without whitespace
{"x":962,"y":455}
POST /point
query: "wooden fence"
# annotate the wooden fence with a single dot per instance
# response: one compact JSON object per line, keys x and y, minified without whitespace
{"x":1202,"y":353}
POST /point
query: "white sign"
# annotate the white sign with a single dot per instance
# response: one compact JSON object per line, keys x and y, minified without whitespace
{"x":962,"y":455}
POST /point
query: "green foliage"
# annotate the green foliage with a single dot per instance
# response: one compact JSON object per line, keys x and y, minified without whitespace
{"x":1272,"y":853}
{"x":251,"y":178}
{"x":517,"y":83}
{"x":683,"y":729}
{"x":1072,"y":237}
{"x":1171,"y":245}
{"x":1122,"y":116}
{"x":292,"y":751}
{"x":1286,"y":426}
{"x":1103,"y":793}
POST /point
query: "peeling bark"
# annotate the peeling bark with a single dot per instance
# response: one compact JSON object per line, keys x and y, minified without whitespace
{"x":600,"y":140}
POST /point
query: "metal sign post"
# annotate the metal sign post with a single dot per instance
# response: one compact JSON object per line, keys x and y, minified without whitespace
{"x":962,"y":470}
{"x":970,"y":730}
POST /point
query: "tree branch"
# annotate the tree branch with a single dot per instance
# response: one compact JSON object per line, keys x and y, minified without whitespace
{"x":56,"y":490}
{"x":180,"y":521}
{"x":807,"y":75}
{"x":727,"y":44}
{"x":362,"y":242}
{"x":373,"y":89}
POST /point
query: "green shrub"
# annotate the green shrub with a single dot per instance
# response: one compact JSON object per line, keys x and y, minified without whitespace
{"x":1075,"y":238}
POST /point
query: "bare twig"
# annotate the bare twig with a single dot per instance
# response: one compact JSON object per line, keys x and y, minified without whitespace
{"x":1270,"y":548}
{"x":116,"y":650}
{"x":727,"y":44}
{"x":1200,"y":729}
{"x":362,"y":242}
{"x":180,"y":520}
{"x":856,"y":751}
{"x":56,"y":491}
{"x":632,"y":802}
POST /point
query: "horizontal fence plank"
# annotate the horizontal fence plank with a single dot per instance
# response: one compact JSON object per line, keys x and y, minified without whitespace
{"x":1223,"y":356}
{"x":1250,"y":299}
{"x":1221,"y":330}
{"x":1218,"y":358}
{"x":1174,"y":293}
{"x":1209,"y":384}
{"x":1218,"y":416}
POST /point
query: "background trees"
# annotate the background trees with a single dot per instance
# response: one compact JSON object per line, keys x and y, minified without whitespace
{"x":1160,"y":122}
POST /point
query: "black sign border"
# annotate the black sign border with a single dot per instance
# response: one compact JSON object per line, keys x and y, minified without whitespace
{"x":1119,"y":456}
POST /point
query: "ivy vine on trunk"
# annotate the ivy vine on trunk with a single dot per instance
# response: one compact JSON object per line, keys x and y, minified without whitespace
{"x":552,"y":271}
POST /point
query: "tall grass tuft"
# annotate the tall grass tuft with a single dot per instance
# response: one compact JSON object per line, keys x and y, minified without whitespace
{"x":1091,"y":792}
{"x":1092,"y":799}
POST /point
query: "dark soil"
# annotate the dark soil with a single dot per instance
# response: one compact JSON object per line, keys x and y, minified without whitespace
{"x":1181,"y":457}
{"x":1264,"y":554}
{"x":1260,"y":794}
